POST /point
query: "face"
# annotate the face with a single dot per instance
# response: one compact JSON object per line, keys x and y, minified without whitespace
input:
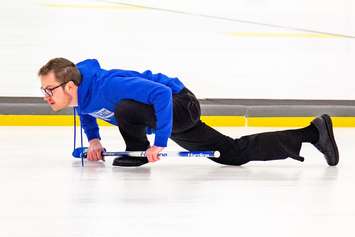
{"x":62,"y":96}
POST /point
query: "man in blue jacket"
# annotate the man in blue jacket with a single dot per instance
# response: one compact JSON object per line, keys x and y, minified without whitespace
{"x":140,"y":102}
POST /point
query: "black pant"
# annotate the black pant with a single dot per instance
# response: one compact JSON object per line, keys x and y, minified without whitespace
{"x":192,"y":134}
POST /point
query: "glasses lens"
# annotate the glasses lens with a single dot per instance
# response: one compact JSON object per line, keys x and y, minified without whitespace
{"x":46,"y":92}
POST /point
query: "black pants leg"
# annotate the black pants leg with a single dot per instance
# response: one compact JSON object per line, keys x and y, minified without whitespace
{"x":192,"y":134}
{"x":134,"y":118}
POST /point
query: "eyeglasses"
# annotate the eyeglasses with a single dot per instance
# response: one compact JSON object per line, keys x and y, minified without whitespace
{"x":49,"y":91}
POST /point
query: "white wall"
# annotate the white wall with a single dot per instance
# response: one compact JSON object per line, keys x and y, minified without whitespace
{"x":215,"y":58}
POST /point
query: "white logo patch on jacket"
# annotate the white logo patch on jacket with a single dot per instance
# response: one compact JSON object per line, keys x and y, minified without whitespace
{"x":103,"y":113}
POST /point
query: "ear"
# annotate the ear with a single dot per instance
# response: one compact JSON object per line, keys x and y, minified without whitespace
{"x":70,"y":86}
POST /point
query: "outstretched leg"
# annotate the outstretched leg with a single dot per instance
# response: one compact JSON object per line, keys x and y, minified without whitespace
{"x":264,"y":146}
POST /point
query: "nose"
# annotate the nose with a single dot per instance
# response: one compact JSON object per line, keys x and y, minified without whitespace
{"x":47,"y":98}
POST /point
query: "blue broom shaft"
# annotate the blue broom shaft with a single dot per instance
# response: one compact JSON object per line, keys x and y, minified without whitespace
{"x":213,"y":154}
{"x":79,"y":152}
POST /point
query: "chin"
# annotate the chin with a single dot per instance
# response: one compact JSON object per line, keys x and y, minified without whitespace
{"x":56,"y":109}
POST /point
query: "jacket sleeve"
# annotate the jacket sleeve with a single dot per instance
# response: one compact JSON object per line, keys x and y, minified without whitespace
{"x":90,"y":126}
{"x":147,"y":92}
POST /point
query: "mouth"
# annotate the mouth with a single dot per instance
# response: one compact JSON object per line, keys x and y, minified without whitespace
{"x":52,"y":105}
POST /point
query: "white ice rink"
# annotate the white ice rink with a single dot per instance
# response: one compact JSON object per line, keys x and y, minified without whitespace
{"x":44,"y":192}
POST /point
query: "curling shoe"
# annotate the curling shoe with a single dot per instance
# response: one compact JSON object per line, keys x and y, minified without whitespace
{"x":129,"y":161}
{"x":326,"y":142}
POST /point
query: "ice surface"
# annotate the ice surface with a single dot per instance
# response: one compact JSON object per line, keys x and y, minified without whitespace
{"x":44,"y":192}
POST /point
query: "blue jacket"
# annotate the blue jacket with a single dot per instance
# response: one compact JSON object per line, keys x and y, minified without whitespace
{"x":101,"y":90}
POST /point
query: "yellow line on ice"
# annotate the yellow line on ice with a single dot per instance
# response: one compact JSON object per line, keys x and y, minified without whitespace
{"x":67,"y":120}
{"x":40,"y":120}
{"x":278,"y":121}
{"x":295,"y":121}
{"x":294,"y":35}
{"x":224,"y":121}
{"x":92,"y":6}
{"x":215,"y":121}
